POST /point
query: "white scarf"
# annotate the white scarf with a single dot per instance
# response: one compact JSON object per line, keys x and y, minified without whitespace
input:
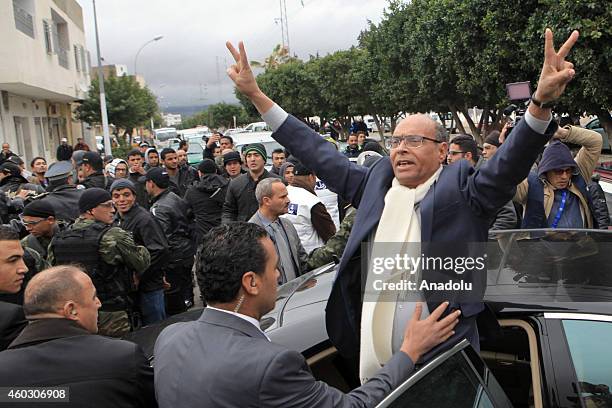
{"x":399,"y":223}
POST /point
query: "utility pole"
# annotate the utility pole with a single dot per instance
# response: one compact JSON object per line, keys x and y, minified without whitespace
{"x":105,"y":131}
{"x":284,"y":25}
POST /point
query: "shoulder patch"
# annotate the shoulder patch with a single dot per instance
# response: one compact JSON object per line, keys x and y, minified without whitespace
{"x":293,"y":209}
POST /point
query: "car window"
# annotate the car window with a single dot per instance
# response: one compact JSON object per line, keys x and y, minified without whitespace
{"x":589,"y":344}
{"x":457,"y":385}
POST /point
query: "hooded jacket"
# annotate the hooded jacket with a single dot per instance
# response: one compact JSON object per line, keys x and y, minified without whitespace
{"x":206,"y":198}
{"x":584,"y":162}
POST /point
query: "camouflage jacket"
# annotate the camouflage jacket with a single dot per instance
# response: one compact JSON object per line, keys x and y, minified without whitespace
{"x":335,"y":245}
{"x":117,"y":247}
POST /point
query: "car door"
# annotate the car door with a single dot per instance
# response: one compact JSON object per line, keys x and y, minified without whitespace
{"x":457,"y":378}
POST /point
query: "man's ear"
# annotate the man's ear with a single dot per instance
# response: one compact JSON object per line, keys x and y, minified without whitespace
{"x":443,"y":151}
{"x":251,"y":283}
{"x":469,"y":157}
{"x":69,"y":311}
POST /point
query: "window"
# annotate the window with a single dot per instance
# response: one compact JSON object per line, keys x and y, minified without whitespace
{"x":589,"y":344}
{"x":82,"y":55}
{"x":24,"y":21}
{"x":456,"y":382}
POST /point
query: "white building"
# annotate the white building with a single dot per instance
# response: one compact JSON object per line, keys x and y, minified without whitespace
{"x":172,"y":119}
{"x":44,"y":70}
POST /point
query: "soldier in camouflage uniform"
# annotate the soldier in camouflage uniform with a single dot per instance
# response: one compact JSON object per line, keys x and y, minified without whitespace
{"x":108,"y":255}
{"x":38,"y":218}
{"x":333,"y":249}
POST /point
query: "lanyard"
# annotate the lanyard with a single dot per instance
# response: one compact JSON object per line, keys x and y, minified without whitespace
{"x":560,"y":210}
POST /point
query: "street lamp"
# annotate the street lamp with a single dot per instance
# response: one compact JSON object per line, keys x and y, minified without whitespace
{"x":105,"y":131}
{"x":157,"y":38}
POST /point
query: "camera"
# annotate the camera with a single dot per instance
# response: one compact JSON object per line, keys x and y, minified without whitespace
{"x":519,"y":92}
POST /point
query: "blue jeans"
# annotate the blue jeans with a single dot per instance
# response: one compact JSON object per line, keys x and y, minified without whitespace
{"x":152,"y":306}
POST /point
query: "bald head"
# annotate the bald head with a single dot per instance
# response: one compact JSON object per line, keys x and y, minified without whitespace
{"x":421,"y":124}
{"x":50,"y":289}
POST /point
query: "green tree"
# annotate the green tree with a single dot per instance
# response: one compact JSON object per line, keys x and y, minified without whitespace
{"x":128,"y":105}
{"x":590,"y":91}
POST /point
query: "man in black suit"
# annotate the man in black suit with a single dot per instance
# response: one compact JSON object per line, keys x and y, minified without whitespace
{"x":12,"y":273}
{"x":411,"y":199}
{"x":59,"y":347}
{"x":225,"y":359}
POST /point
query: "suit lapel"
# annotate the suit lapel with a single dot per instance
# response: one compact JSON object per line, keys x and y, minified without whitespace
{"x":427,"y":206}
{"x":232,"y":322}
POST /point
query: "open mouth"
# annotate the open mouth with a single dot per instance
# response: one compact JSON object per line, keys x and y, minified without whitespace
{"x":404,"y":163}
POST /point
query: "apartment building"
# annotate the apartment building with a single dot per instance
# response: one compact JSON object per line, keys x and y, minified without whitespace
{"x":44,"y":72}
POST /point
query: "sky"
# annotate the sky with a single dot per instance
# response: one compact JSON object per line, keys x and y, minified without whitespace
{"x":187,"y":66}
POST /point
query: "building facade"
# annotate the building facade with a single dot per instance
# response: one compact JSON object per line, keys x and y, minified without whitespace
{"x":44,"y":72}
{"x":172,"y":119}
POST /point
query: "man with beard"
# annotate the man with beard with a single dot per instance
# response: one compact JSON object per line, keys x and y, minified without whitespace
{"x":180,"y":177}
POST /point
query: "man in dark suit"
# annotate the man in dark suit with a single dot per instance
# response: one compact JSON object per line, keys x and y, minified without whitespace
{"x":59,"y":347}
{"x":12,"y":274}
{"x":224,"y":359}
{"x":447,"y":209}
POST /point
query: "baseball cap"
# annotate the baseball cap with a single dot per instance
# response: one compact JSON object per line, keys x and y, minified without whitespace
{"x":91,"y":158}
{"x":59,"y":170}
{"x":157,"y":175}
{"x":299,"y":169}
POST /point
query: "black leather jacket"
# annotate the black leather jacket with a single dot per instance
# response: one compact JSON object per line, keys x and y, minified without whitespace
{"x":173,"y":214}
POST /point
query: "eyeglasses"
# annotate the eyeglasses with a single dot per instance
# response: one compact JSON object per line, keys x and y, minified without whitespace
{"x":108,"y":204}
{"x":559,"y":172}
{"x":412,"y":141}
{"x":31,"y":223}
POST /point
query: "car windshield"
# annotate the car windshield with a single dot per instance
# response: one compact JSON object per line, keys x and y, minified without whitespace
{"x":550,"y":266}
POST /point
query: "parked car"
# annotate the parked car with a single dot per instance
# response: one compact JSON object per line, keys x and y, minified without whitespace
{"x":594,"y":124}
{"x":257,"y":127}
{"x":545,"y":335}
{"x":195,"y":153}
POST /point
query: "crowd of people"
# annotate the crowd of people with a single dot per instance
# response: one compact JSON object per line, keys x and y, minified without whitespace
{"x":99,"y":246}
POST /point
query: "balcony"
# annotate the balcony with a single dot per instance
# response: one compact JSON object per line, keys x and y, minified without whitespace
{"x":24,"y":21}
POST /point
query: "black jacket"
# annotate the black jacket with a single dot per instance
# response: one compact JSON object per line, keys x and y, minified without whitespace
{"x":172,"y":213}
{"x":64,"y":152}
{"x":100,"y":372}
{"x":600,"y":206}
{"x":12,"y":322}
{"x":94,"y":180}
{"x":142,"y":198}
{"x":65,"y":201}
{"x":186,"y":177}
{"x":13,"y":184}
{"x":147,"y":232}
{"x":240,"y":202}
{"x":205,"y":199}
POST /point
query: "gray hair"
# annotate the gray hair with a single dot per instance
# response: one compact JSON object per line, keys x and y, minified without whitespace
{"x":264,"y":188}
{"x":48,"y":289}
{"x":441,"y":132}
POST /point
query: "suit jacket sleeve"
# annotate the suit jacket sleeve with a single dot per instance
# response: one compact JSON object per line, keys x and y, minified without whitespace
{"x":288,"y":383}
{"x":331,"y":166}
{"x":494,"y":183}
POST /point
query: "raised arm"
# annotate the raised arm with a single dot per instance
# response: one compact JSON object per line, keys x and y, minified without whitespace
{"x":331,"y":166}
{"x":495,"y":182}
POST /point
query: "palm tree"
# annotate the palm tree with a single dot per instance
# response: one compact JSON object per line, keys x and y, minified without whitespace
{"x":280,"y":55}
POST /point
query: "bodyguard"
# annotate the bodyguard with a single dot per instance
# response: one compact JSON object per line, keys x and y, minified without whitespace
{"x":108,"y":255}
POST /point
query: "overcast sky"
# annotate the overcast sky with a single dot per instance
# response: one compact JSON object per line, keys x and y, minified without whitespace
{"x":181,"y":68}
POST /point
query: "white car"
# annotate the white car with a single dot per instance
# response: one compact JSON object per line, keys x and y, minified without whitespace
{"x":257,"y":127}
